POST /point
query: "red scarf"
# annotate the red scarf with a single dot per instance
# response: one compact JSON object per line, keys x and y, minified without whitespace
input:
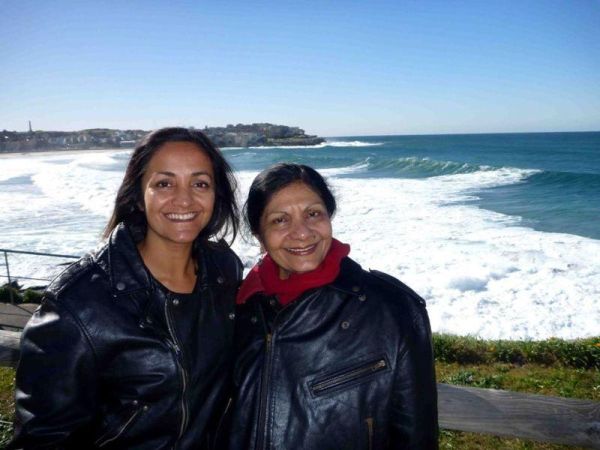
{"x":264,"y":276}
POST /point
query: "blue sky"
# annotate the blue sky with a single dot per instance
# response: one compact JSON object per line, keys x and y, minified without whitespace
{"x":330,"y":67}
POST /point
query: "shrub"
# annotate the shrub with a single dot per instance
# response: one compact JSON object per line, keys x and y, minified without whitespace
{"x":32,"y":296}
{"x":579,"y":353}
{"x":10,"y":294}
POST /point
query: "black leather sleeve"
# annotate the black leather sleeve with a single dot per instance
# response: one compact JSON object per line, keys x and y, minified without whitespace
{"x":55,"y":383}
{"x":414,"y":421}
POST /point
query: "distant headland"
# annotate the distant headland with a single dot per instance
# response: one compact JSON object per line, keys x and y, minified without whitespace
{"x":240,"y":135}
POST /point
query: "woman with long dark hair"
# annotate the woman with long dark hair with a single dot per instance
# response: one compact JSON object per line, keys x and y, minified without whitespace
{"x":329,"y":356}
{"x":132,"y":345}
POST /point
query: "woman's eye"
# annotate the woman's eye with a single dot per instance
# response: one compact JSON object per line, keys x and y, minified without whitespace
{"x":314,"y":213}
{"x":163,"y":184}
{"x":201,"y":185}
{"x":278,"y":220}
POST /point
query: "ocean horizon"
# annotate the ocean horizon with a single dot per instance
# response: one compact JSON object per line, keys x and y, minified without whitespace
{"x":499,"y":232}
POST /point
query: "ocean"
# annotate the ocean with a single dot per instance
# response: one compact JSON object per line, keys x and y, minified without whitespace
{"x":500,"y":233}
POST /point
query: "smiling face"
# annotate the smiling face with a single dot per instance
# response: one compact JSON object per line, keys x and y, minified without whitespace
{"x":295,"y":229}
{"x":179,"y":193}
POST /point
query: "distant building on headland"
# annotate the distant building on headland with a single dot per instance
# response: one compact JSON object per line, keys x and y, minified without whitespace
{"x":240,"y":135}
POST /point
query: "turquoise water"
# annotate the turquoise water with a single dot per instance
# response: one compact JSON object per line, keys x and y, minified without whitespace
{"x":559,"y":192}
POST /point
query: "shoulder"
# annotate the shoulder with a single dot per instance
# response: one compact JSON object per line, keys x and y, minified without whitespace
{"x":396,"y":298}
{"x":385,"y":281}
{"x":389,"y":292}
{"x":400,"y":304}
{"x":70,"y":277}
{"x":60,"y":313}
{"x":85,"y":278}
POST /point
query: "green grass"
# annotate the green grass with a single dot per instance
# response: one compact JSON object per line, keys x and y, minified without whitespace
{"x":552,"y":367}
{"x":7,"y":405}
{"x":531,"y":378}
{"x":580,"y":353}
{"x":455,"y":440}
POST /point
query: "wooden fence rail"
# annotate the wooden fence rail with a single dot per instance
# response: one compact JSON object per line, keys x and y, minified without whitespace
{"x":489,"y":411}
{"x":9,"y":348}
{"x":514,"y":414}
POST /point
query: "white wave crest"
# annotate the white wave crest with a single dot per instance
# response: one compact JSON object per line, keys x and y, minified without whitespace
{"x":484,"y":179}
{"x":360,"y":166}
{"x":482,"y":273}
{"x":352,"y":144}
{"x":322,"y":145}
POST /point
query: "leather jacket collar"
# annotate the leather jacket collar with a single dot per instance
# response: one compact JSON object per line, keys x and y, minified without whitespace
{"x":121,"y":261}
{"x":350,"y":280}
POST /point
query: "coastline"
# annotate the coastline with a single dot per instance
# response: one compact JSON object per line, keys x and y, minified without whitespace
{"x":66,"y":151}
{"x":72,"y":151}
{"x":239,"y":135}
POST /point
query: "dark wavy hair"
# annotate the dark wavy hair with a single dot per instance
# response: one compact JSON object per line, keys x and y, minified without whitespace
{"x":225,"y":216}
{"x":275,"y":178}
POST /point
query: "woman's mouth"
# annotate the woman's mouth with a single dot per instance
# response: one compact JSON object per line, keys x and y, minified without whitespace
{"x":181,"y":217}
{"x":302,"y":251}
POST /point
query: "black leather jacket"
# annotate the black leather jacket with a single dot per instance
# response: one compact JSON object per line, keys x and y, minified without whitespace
{"x":345,"y":366}
{"x":111,"y":360}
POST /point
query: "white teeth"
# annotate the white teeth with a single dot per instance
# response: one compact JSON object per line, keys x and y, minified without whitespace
{"x":301,"y":250}
{"x":186,"y":216}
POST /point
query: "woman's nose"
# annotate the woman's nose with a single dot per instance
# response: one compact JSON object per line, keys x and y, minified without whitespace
{"x":183,"y":196}
{"x":301,"y":230}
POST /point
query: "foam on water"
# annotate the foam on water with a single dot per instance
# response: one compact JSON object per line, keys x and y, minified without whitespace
{"x":62,"y":207}
{"x":352,"y":144}
{"x":327,"y":143}
{"x":88,"y":182}
{"x":358,"y":167}
{"x":419,"y":167}
{"x":481,"y":272}
{"x":13,"y":168}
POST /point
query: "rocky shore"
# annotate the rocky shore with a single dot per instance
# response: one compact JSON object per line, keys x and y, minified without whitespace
{"x":240,"y":135}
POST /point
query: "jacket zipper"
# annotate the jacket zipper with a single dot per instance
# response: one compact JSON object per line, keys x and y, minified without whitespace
{"x":177,"y":348}
{"x":216,"y":439}
{"x":347,"y":377}
{"x":264,"y":393}
{"x":370,"y":430}
{"x":261,"y":438}
{"x":101,"y":443}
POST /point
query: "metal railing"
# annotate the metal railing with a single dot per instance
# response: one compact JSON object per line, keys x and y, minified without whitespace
{"x":13,"y":277}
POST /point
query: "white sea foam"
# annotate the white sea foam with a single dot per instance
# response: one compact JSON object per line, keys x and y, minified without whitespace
{"x":327,"y":143}
{"x":352,"y":144}
{"x":268,"y":147}
{"x":481,"y":272}
{"x":86,"y":182}
{"x":14,"y":168}
{"x":354,"y":168}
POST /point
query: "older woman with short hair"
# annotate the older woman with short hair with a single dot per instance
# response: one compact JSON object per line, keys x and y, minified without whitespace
{"x":329,"y":355}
